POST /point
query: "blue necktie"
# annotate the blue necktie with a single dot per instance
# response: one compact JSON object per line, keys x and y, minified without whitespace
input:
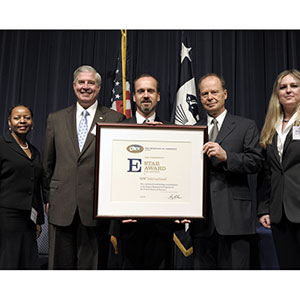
{"x":82,"y":129}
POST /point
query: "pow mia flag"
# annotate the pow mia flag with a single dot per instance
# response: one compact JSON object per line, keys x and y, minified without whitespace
{"x":186,"y":111}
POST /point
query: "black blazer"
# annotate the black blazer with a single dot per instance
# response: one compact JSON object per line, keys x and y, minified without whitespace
{"x":20,"y":177}
{"x":279,"y":184}
{"x":228,"y":195}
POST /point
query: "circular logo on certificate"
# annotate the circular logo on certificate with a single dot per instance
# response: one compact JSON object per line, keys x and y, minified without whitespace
{"x":135,"y":148}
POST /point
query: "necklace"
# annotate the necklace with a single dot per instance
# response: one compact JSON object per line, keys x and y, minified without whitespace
{"x":26,"y":147}
{"x":285,"y":120}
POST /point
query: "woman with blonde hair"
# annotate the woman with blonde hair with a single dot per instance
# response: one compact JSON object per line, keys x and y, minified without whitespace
{"x":279,"y":184}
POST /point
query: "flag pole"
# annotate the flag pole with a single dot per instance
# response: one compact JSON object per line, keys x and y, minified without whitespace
{"x":124,"y":47}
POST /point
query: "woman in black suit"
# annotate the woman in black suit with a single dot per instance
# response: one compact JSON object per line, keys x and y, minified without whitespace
{"x":21,"y":208}
{"x":279,"y":187}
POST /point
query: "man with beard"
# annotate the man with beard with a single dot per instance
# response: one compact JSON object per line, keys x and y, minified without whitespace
{"x":77,"y":241}
{"x":146,"y":95}
{"x":145,"y":245}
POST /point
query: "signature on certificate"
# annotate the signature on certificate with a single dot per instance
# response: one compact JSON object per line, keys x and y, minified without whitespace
{"x":174,"y":196}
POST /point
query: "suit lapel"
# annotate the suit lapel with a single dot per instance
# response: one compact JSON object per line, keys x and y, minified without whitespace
{"x":288,"y":140}
{"x":132,"y":120}
{"x":202,"y":122}
{"x":72,"y":127}
{"x":100,"y":116}
{"x":228,"y":125}
{"x":33,"y":152}
{"x":13,"y":145}
{"x":275,"y":149}
{"x":157,"y":119}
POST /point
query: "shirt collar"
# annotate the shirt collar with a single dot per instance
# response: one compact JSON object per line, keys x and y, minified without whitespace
{"x":290,"y":123}
{"x":220,"y":118}
{"x":140,"y":119}
{"x":91,"y":110}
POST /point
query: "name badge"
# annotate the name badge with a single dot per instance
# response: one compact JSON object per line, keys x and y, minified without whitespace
{"x":296,"y":132}
{"x":93,"y":131}
{"x":33,"y":215}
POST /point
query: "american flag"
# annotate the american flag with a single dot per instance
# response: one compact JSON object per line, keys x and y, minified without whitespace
{"x":120,"y":100}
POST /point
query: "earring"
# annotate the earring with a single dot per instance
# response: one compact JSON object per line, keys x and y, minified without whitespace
{"x":9,"y":128}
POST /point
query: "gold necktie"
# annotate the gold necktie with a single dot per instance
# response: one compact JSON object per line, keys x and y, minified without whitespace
{"x":214,"y":131}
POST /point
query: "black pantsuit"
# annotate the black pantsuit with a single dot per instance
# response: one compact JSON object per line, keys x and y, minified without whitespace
{"x":20,"y":191}
{"x":279,"y":196}
{"x":286,"y":236}
{"x":17,"y":240}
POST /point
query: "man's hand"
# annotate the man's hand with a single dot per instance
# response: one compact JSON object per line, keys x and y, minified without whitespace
{"x":154,"y":123}
{"x":184,"y":221}
{"x":129,"y":221}
{"x":214,"y":149}
{"x":38,"y":230}
{"x":265,"y":221}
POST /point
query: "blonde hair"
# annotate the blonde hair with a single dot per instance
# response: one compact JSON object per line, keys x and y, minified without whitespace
{"x":275,"y":109}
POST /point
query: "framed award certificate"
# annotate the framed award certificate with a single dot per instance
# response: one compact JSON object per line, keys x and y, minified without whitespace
{"x":150,"y":171}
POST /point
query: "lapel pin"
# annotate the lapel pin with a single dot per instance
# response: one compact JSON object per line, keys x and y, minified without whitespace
{"x":101,"y":118}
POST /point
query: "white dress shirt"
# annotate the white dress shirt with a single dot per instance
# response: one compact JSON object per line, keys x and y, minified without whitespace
{"x":140,"y":119}
{"x":90,"y":117}
{"x":282,"y":135}
{"x":219,"y":118}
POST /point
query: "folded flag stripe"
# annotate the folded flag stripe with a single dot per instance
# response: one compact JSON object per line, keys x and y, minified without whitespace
{"x":179,"y":241}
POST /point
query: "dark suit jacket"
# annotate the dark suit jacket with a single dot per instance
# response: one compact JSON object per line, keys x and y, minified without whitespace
{"x":279,"y":185}
{"x":20,"y":177}
{"x":129,"y":229}
{"x":228,"y":195}
{"x":68,"y":173}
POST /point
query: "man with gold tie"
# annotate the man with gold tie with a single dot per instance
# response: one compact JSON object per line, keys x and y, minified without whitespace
{"x":222,"y":241}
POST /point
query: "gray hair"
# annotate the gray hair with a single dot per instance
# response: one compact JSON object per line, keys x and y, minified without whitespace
{"x":87,"y":69}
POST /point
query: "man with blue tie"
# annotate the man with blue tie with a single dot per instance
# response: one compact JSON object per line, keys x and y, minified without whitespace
{"x":77,"y":241}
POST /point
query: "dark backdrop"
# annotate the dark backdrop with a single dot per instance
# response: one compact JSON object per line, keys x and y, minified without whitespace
{"x":36,"y":66}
